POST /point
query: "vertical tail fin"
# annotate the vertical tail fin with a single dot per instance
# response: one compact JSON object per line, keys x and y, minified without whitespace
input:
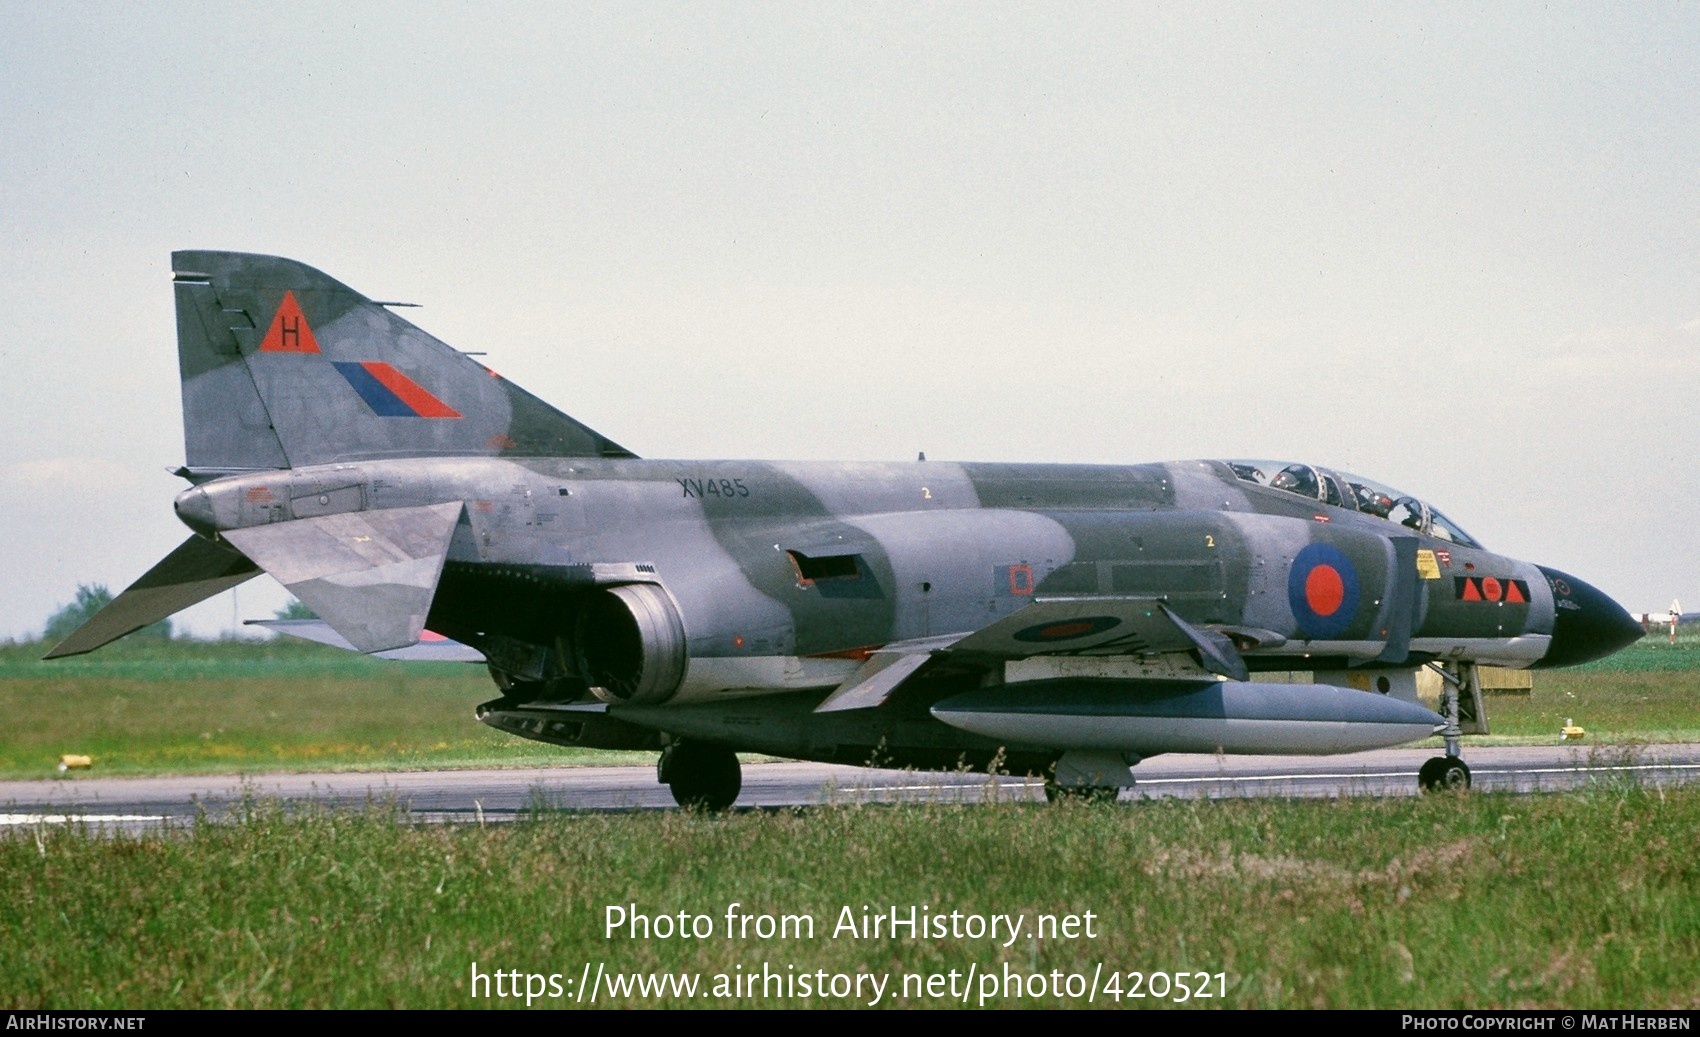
{"x":283,"y":367}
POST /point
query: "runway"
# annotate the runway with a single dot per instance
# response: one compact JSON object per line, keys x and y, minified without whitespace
{"x":505,"y":795}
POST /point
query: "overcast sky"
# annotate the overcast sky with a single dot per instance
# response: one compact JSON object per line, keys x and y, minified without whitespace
{"x":1455,"y":248}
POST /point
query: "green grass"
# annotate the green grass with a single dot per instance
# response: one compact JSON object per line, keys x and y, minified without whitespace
{"x":1583,"y":900}
{"x":1653,"y":654}
{"x":251,"y":707}
{"x":1649,"y":692}
{"x":1615,"y":707}
{"x":229,"y":707}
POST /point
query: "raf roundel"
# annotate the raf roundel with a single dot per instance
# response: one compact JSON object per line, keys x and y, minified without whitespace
{"x":1067,"y":630}
{"x":1323,"y":590}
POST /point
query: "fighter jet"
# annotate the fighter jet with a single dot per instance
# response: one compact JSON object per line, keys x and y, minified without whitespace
{"x":1063,"y":620}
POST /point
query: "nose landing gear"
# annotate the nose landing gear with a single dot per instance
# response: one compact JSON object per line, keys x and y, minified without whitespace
{"x":1461,"y":705}
{"x":1443,"y":773}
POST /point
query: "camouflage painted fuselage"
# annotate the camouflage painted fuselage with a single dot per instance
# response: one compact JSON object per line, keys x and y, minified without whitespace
{"x":785,"y":574}
{"x":1066,"y":618}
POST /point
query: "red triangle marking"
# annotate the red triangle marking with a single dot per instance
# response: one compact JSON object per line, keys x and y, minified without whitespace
{"x":290,"y":332}
{"x":1514,"y":593}
{"x":1471,"y":591}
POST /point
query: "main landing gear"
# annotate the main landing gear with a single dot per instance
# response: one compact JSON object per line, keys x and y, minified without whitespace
{"x":706,"y":777}
{"x":1055,"y":793}
{"x":1090,"y":776}
{"x":1461,"y":705}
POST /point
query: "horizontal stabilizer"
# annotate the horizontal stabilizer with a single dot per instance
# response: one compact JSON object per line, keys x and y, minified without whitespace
{"x":432,"y":647}
{"x":197,"y":570}
{"x":370,"y":575}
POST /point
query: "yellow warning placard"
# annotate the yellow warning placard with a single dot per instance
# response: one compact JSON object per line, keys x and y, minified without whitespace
{"x":1428,"y":567}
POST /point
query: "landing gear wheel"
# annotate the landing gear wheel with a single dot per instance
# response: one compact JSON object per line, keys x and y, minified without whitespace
{"x":1055,"y":793}
{"x":703,"y":777}
{"x":1444,"y":773}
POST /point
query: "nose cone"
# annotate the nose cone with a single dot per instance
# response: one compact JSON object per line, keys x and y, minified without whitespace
{"x":1587,"y":624}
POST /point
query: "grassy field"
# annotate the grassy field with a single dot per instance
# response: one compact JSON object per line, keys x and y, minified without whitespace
{"x":195,"y":707}
{"x":1583,"y":900}
{"x":1649,"y":692}
{"x":229,"y":707}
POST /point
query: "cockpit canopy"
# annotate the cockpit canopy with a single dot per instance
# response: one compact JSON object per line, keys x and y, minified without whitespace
{"x":1353,"y":493}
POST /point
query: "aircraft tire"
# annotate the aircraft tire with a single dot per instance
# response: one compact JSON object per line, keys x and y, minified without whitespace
{"x":701,"y":777}
{"x":1055,"y":793}
{"x":1443,"y":774}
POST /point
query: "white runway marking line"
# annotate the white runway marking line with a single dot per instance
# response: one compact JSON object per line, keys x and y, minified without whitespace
{"x":936,"y":787}
{"x":1405,"y":774}
{"x":1273,"y":777}
{"x":1327,"y":776}
{"x":1609,"y":767}
{"x":1141,"y":781}
{"x":64,"y":819}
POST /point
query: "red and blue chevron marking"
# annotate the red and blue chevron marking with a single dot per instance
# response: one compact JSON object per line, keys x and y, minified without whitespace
{"x":390,"y":393}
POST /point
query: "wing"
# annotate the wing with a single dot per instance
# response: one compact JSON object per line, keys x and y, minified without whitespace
{"x":1079,"y":627}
